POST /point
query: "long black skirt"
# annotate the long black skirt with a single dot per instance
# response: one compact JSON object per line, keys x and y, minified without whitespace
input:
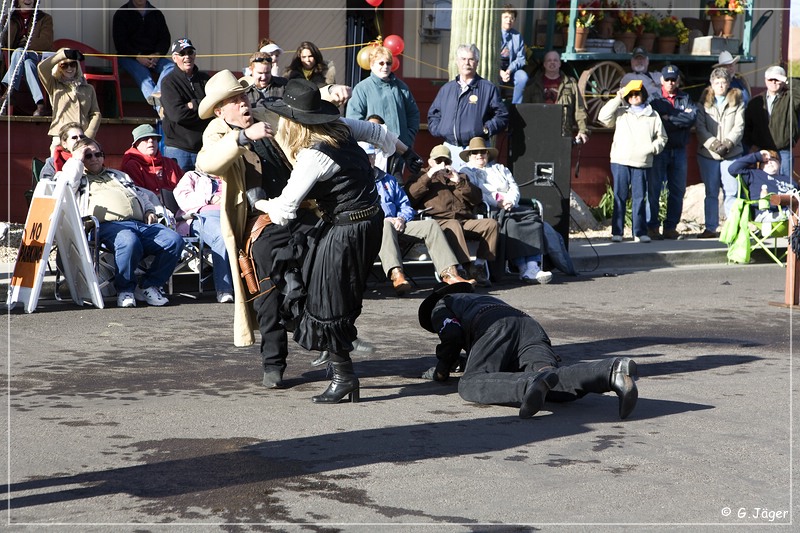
{"x":338,"y":263}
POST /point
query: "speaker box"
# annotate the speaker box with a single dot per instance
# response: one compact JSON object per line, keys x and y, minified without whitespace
{"x":540,"y":159}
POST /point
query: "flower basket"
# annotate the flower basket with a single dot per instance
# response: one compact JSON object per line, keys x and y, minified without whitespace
{"x":723,"y":15}
{"x":672,"y":27}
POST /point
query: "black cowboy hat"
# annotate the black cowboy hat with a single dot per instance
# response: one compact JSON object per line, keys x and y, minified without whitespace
{"x":440,"y":291}
{"x":302,"y":103}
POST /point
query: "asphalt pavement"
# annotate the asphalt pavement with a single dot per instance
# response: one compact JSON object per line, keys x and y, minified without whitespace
{"x":148,"y":419}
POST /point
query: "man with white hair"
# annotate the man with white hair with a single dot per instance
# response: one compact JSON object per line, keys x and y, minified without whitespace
{"x":770,"y":119}
{"x":466,"y":107}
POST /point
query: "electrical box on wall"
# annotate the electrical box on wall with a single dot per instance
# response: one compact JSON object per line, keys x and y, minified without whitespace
{"x":436,"y":15}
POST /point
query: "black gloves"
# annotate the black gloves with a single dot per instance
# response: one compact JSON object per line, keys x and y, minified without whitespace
{"x":255,"y":194}
{"x":728,"y":145}
{"x":718,"y":147}
{"x":74,"y":55}
{"x":413,"y":161}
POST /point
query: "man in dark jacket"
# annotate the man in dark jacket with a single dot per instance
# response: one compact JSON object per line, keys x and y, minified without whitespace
{"x":678,"y":115}
{"x":771,"y":119}
{"x":450,"y":198}
{"x":466,"y":107}
{"x":182,"y":91}
{"x":509,"y":356}
{"x":140,"y":31}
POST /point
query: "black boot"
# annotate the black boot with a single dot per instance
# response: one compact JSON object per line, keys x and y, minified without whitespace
{"x":344,"y":383}
{"x":623,"y":372}
{"x":324,"y":357}
{"x":273,"y":378}
{"x":536,"y":392}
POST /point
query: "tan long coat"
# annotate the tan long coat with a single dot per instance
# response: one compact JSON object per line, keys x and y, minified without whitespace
{"x":222,"y":156}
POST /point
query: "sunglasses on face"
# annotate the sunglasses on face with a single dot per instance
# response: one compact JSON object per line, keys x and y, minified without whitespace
{"x":443,"y":160}
{"x":634,"y":93}
{"x":670,"y":80}
{"x":77,"y":137}
{"x":384,"y":63}
{"x":480,"y":152}
{"x":773,"y":80}
{"x":68,"y":64}
{"x":90,"y":155}
{"x":262,"y":60}
{"x":186,"y":52}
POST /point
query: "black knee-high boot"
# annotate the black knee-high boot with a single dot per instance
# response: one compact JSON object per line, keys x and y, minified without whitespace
{"x":344,"y":383}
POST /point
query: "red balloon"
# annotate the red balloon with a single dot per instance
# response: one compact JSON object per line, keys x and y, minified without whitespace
{"x":395,"y":63}
{"x":374,"y":3}
{"x":395,"y":44}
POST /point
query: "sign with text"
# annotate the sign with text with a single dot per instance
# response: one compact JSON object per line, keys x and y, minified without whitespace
{"x":53,"y":217}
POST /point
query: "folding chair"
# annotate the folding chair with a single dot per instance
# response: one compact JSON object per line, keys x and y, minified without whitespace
{"x":91,"y":73}
{"x":36,"y":170}
{"x":758,"y":232}
{"x":102,"y":260}
{"x":195,"y":259}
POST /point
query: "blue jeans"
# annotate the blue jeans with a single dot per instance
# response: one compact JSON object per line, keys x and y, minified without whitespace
{"x":185,"y":159}
{"x":633,"y":180}
{"x":712,"y":172}
{"x":520,"y":81}
{"x":730,"y":187}
{"x":669,"y":166}
{"x":786,"y":162}
{"x":206,"y":226}
{"x":143,"y":76}
{"x":132,"y":241}
{"x":28,"y":70}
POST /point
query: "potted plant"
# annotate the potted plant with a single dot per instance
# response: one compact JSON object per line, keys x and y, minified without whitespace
{"x":647,"y":30}
{"x":606,"y":16}
{"x":625,"y":27}
{"x":723,"y":15}
{"x":671,"y":32}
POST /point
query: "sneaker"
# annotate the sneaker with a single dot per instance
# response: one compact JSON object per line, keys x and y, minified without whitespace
{"x":671,"y":234}
{"x":224,"y":297}
{"x":151,"y":295}
{"x":154,"y":99}
{"x":544,"y":277}
{"x":126,"y":299}
{"x":478,"y":273}
{"x":654,"y":234}
{"x":616,"y":238}
{"x":642,"y":238}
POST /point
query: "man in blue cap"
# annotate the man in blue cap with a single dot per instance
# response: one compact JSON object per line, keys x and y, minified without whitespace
{"x":678,"y":114}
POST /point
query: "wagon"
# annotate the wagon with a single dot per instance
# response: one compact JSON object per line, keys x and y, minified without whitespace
{"x":599,"y":69}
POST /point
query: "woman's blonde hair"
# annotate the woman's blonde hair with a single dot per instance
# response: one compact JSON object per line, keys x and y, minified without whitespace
{"x":299,"y":136}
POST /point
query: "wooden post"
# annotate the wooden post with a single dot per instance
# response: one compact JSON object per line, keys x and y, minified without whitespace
{"x":791,"y":293}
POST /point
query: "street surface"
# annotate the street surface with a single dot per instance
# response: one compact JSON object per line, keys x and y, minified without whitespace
{"x":148,"y":419}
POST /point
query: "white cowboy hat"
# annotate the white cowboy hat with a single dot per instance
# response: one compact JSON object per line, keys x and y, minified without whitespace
{"x":725,"y":58}
{"x":222,"y":85}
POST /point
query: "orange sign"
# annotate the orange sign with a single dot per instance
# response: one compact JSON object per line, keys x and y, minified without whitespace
{"x":30,"y":259}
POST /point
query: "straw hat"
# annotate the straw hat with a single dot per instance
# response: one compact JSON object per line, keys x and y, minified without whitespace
{"x":221,"y":86}
{"x":302,"y":103}
{"x":478,"y":144}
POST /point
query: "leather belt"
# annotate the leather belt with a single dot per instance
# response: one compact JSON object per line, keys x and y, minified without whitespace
{"x":350,"y":217}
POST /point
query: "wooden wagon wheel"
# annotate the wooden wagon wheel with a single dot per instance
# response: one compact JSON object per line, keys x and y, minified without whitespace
{"x":598,"y":85}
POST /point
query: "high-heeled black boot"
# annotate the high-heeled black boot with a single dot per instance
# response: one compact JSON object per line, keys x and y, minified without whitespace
{"x":344,"y":383}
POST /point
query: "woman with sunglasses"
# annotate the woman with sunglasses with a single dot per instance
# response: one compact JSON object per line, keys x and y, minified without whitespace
{"x":387,"y":96}
{"x":71,"y":96}
{"x":638,"y":136}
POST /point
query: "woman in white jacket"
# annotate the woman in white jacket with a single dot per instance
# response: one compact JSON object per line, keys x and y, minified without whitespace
{"x":638,"y":136}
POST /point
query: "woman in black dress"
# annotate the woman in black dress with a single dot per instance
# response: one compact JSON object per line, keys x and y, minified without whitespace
{"x":329,"y":167}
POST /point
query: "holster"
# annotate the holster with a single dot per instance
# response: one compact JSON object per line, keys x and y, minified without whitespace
{"x":254,"y":227}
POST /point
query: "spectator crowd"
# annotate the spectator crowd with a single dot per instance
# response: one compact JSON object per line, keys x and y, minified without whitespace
{"x":265,"y":168}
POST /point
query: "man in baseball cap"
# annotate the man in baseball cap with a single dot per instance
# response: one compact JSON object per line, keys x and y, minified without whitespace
{"x":181,"y":93}
{"x":639,"y":65}
{"x":678,"y":114}
{"x":770,"y":119}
